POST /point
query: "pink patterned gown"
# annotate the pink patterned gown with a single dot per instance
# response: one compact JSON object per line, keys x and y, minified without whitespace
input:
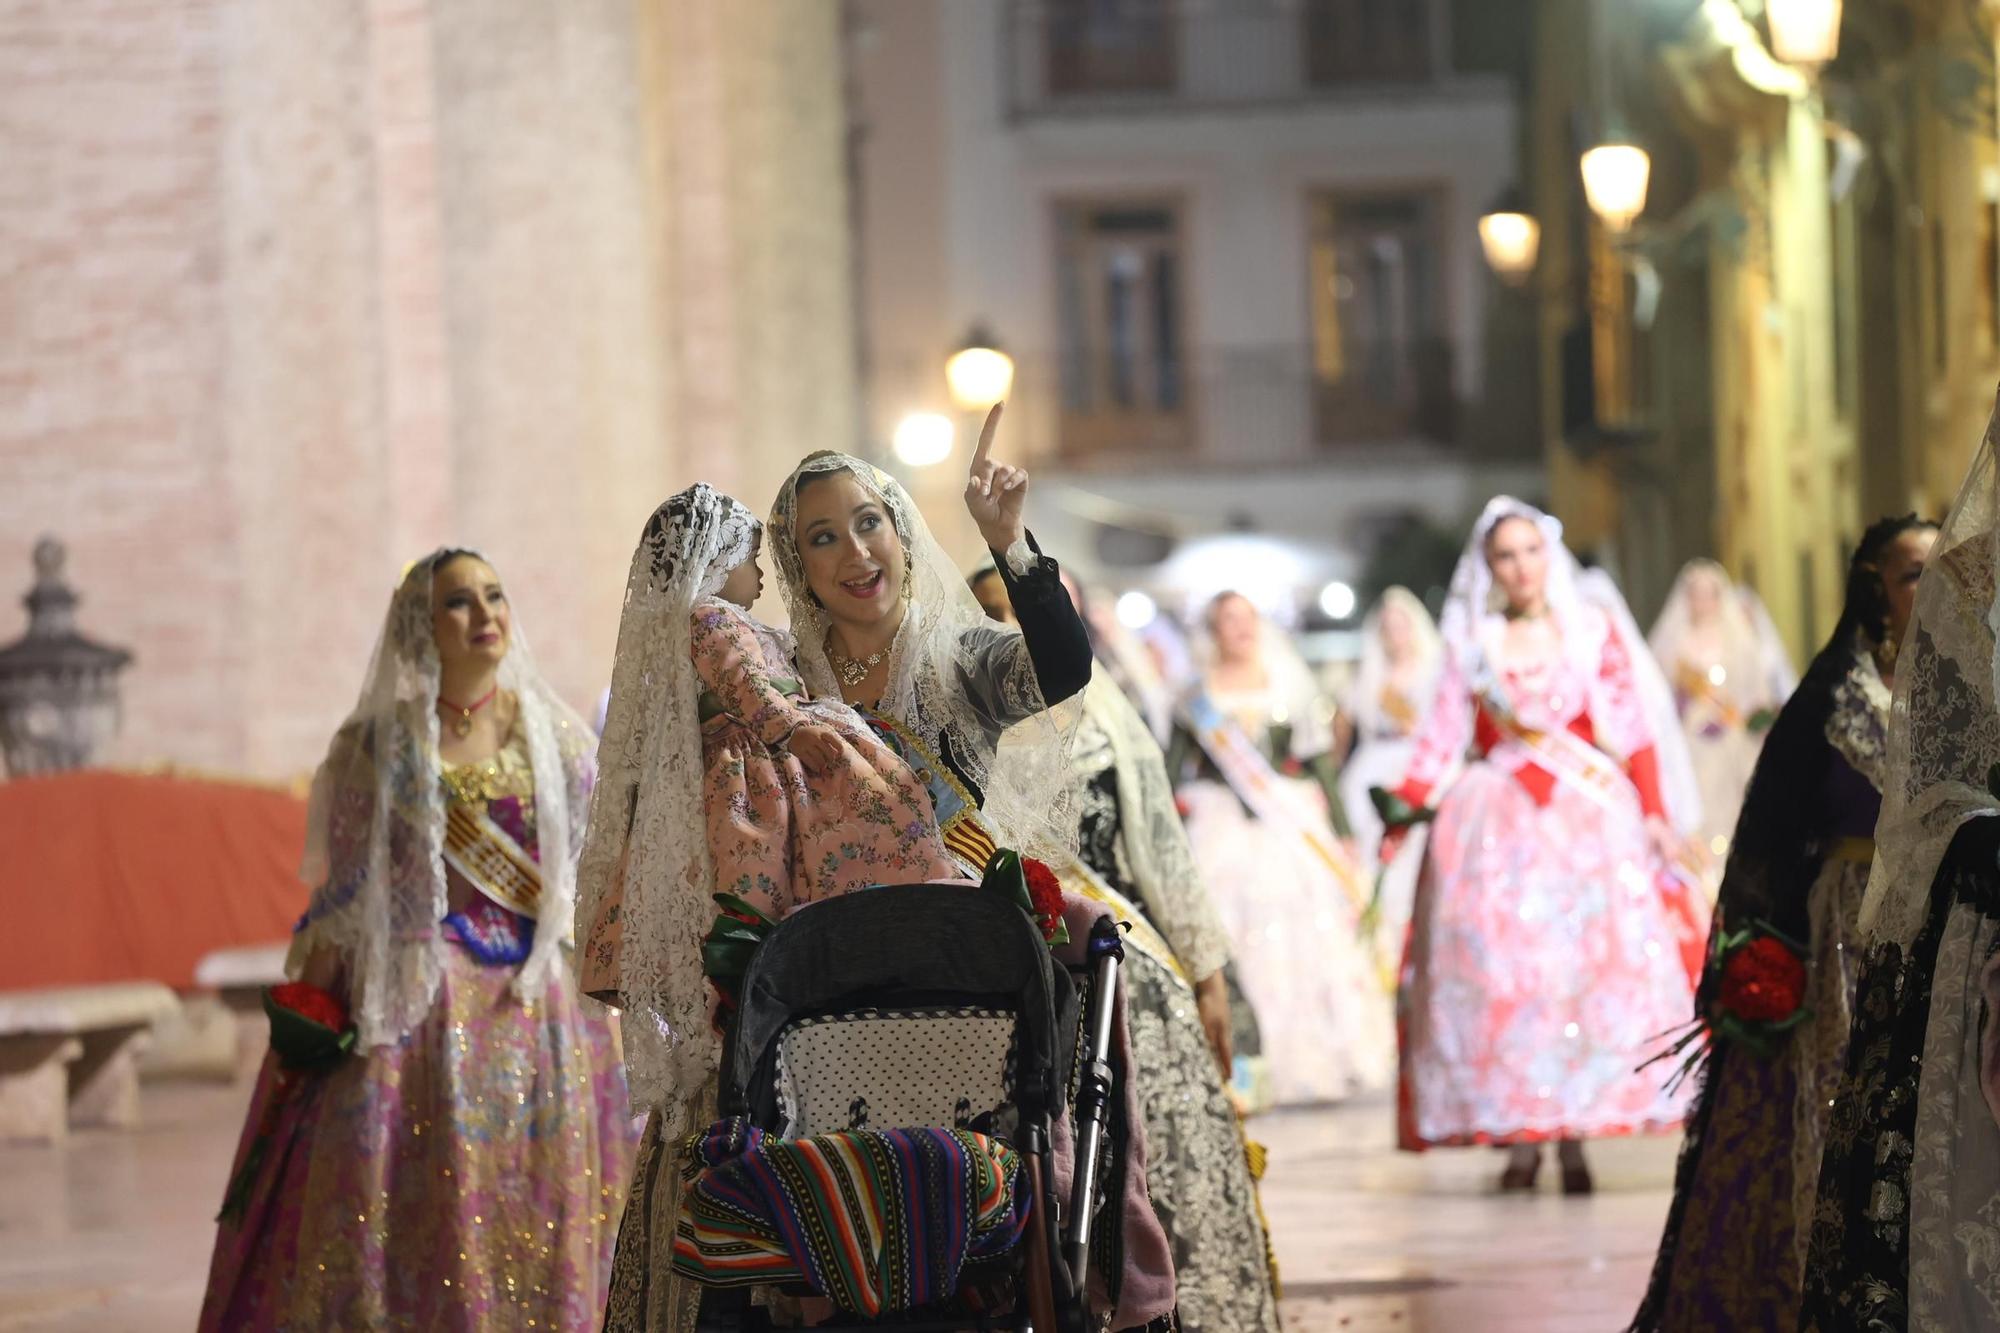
{"x":777,"y":835}
{"x":1549,"y":949}
{"x":467,"y":1177}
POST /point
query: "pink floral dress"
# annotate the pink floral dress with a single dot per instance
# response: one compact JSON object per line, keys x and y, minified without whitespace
{"x":1549,"y":949}
{"x":777,"y":835}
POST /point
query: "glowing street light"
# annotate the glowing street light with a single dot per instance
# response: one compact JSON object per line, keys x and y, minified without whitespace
{"x":1511,"y":239}
{"x":1804,"y":32}
{"x":923,"y":439}
{"x":979,"y":374}
{"x":1614,"y":181}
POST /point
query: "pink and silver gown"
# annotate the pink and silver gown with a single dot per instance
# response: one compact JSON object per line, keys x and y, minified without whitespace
{"x":1548,"y":948}
{"x":468,"y":1177}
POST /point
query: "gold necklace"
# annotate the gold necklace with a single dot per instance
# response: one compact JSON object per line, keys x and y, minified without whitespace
{"x":853,"y":672}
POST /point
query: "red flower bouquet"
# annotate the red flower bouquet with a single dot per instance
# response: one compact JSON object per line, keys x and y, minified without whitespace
{"x":1034,"y":887}
{"x":726,"y":950}
{"x":1752,"y":995}
{"x":310,"y":1034}
{"x":1763,"y":981}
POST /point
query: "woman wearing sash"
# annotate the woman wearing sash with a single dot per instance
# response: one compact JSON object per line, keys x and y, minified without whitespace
{"x":1130,"y":834}
{"x":1252,"y":756}
{"x":464,"y":1166}
{"x":1729,"y":675}
{"x":1552,"y":941}
{"x":1400,"y":658}
{"x":1734,"y":1243}
{"x":1906,"y":1227}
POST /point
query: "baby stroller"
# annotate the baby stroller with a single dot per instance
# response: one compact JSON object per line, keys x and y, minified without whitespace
{"x":933,"y":1006}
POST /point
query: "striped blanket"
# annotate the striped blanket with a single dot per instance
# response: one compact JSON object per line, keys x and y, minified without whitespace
{"x":875,"y":1220}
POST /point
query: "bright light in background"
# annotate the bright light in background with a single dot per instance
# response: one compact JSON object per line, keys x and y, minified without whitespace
{"x":1804,"y":32}
{"x":923,"y":438}
{"x":979,"y":376}
{"x":1269,"y":571}
{"x":1136,"y":610}
{"x":1614,"y":181}
{"x":1337,"y":600}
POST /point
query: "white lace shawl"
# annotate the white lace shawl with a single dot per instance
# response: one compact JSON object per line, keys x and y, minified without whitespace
{"x":1151,"y":837}
{"x":956,"y":680}
{"x":1586,"y":606}
{"x":647,"y":819}
{"x":375,"y":823}
{"x":1944,"y":724}
{"x":1365,"y":699}
{"x":1757,"y":671}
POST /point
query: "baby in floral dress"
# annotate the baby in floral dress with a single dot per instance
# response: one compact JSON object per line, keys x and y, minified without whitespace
{"x":799,"y":799}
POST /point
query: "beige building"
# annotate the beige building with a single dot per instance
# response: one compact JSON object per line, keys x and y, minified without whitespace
{"x":1232,"y":249}
{"x":1799,"y":333}
{"x":295,"y":293}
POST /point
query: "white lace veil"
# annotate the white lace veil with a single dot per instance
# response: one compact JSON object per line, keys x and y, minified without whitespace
{"x":1751,"y":674}
{"x":1293,"y":687}
{"x":375,"y":822}
{"x":647,"y":813}
{"x":1586,"y":606}
{"x":1373,"y":673}
{"x":1944,"y":723}
{"x":1030,"y":800}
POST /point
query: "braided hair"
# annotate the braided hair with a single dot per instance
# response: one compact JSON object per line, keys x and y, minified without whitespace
{"x":1866,"y":607}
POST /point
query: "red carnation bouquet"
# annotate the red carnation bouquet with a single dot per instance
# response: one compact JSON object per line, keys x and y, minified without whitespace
{"x":310,"y":1034}
{"x":1752,"y":995}
{"x":1034,"y":887}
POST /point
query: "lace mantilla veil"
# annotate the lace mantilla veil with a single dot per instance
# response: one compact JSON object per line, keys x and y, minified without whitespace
{"x":1030,"y":797}
{"x":1587,"y":607}
{"x":375,"y":822}
{"x":1944,"y":723}
{"x":649,"y":799}
{"x":1373,"y":673}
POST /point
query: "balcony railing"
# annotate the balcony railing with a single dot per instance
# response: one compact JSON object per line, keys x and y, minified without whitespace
{"x":1242,"y":406}
{"x":1082,"y":55}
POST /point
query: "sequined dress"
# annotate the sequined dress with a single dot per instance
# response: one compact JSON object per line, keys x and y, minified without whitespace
{"x":470,"y":1176}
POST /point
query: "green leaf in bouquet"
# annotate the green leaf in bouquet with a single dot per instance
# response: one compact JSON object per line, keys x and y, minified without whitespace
{"x":734,"y":905}
{"x":727,"y":958}
{"x":1761,"y":720}
{"x":1395,"y":811}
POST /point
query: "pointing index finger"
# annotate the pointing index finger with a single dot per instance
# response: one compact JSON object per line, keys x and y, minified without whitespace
{"x":986,"y":433}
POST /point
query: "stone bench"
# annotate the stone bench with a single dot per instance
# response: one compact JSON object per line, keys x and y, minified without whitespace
{"x":237,"y":979}
{"x":69,"y":1056}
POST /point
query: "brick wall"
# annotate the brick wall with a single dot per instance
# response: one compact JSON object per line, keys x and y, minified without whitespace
{"x":290,"y":294}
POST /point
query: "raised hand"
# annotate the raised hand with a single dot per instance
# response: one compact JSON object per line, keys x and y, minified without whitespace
{"x":996,"y":494}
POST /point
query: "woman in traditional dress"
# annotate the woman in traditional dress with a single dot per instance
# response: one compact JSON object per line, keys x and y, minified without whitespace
{"x":1906,"y":1231}
{"x":1252,"y":757}
{"x":464,"y":1168}
{"x":1550,"y":944}
{"x":1401,"y":655}
{"x":1729,"y":675}
{"x":882,"y":619}
{"x":1735,"y":1238}
{"x":1196,"y":1169}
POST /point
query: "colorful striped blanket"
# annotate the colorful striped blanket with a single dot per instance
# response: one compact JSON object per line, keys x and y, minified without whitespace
{"x":875,"y":1220}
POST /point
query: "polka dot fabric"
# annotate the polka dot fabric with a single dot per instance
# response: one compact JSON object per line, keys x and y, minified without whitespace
{"x":895,"y":1069}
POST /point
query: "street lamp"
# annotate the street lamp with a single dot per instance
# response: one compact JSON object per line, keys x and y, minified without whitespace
{"x":1614,"y":181}
{"x":923,"y":438}
{"x":979,"y":374}
{"x":1511,"y":238}
{"x":1804,"y":32}
{"x":58,"y":690}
